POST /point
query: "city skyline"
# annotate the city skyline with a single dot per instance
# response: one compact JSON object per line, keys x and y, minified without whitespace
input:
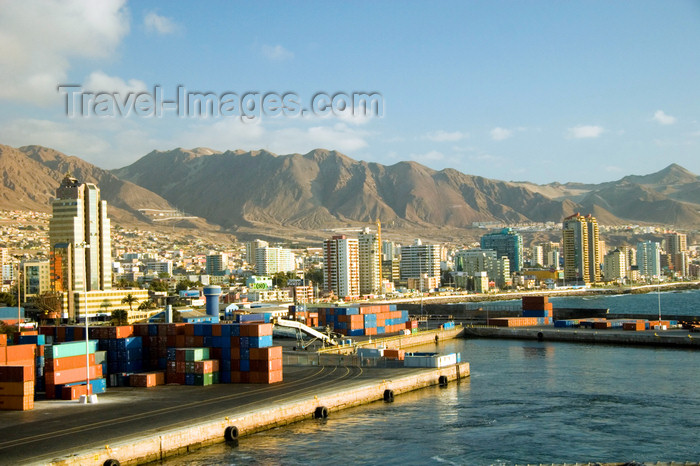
{"x":504,"y":90}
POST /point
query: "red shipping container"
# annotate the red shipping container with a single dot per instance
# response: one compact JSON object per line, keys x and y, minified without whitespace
{"x":17,"y":373}
{"x":203,"y":367}
{"x":17,"y":403}
{"x":71,"y":362}
{"x":180,"y":367}
{"x":240,"y":377}
{"x":189,"y":330}
{"x":394,"y":354}
{"x":236,"y":353}
{"x":266,"y":366}
{"x":72,"y":375}
{"x":216,"y":330}
{"x":264,"y":377}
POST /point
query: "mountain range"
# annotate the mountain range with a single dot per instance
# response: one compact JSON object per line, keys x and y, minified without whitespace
{"x":325,"y":189}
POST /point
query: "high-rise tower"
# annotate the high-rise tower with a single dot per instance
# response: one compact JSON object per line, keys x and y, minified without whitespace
{"x":581,"y":249}
{"x":79,"y":235}
{"x":370,"y":263}
{"x":341,"y":266}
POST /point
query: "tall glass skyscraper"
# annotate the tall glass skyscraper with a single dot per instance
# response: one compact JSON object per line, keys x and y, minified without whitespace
{"x":506,"y":242}
{"x":79,"y":235}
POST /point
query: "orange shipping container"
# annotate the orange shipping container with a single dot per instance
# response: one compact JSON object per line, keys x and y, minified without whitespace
{"x":394,"y":354}
{"x":266,"y":354}
{"x":72,"y":375}
{"x":71,"y":362}
{"x":17,"y":388}
{"x":17,"y":403}
{"x":20,"y":353}
{"x":3,"y":339}
{"x":73,"y":392}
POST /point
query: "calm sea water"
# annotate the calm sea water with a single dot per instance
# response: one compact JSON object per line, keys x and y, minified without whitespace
{"x":525,"y":402}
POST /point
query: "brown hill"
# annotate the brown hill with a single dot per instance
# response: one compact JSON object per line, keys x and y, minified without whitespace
{"x":325,"y":188}
{"x":31,"y":175}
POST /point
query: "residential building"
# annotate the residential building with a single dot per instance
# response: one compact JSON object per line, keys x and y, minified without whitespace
{"x":506,"y":242}
{"x":420,"y":260}
{"x":216,"y":263}
{"x":649,"y":259}
{"x":582,"y":258}
{"x":341,"y":266}
{"x":269,"y":260}
{"x":474,"y":261}
{"x":615,"y":265}
{"x":36,"y":277}
{"x":251,"y":250}
{"x":370,"y":262}
{"x":537,"y":256}
{"x":550,"y":254}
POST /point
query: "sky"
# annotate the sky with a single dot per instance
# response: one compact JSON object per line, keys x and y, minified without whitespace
{"x":541,"y":91}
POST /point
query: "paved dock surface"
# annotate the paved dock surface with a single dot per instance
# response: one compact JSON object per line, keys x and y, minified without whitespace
{"x":61,"y":428}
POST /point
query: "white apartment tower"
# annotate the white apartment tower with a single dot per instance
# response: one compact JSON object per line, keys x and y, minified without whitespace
{"x":420,"y":260}
{"x":269,"y":261}
{"x":341,"y":266}
{"x":615,"y":265}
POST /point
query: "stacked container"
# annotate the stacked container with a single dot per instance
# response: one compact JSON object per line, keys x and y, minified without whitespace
{"x":538,"y":307}
{"x":378,"y":319}
{"x":16,"y":387}
{"x":66,"y":372}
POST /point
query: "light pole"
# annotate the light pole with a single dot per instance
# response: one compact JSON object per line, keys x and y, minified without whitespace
{"x":89,"y":398}
{"x":19,"y":301}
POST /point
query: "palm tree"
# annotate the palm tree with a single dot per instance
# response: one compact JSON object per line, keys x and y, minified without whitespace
{"x":130,"y":300}
{"x":120,"y":317}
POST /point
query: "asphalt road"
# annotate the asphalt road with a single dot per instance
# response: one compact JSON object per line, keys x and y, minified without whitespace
{"x":60,"y":428}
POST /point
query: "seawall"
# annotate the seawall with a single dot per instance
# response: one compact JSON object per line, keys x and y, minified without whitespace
{"x":166,"y":443}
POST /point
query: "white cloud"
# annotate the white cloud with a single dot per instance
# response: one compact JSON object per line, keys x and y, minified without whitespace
{"x":234,"y":134}
{"x":276,"y":53}
{"x":159,"y":24}
{"x":585,"y":131}
{"x":430,"y":156}
{"x":39,"y":39}
{"x":445,"y":136}
{"x":101,"y":82}
{"x":499,"y":134}
{"x":663,"y":119}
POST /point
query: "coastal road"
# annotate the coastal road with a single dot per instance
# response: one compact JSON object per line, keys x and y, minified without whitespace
{"x":60,"y":428}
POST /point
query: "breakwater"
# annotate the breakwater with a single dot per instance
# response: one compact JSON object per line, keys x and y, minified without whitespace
{"x":680,"y":339}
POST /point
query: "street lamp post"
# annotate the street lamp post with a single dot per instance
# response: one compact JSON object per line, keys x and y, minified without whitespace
{"x":19,"y":301}
{"x":88,"y":397}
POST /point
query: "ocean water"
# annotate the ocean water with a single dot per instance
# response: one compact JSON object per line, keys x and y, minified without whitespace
{"x":525,"y":402}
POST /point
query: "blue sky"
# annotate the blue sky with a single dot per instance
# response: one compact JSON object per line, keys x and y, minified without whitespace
{"x":541,"y":91}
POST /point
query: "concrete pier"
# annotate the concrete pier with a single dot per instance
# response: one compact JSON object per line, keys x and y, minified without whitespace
{"x":173,"y":420}
{"x":667,"y":338}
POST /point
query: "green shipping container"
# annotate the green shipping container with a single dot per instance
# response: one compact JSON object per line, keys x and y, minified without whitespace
{"x":196,"y":354}
{"x":73,"y":348}
{"x":203,"y":379}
